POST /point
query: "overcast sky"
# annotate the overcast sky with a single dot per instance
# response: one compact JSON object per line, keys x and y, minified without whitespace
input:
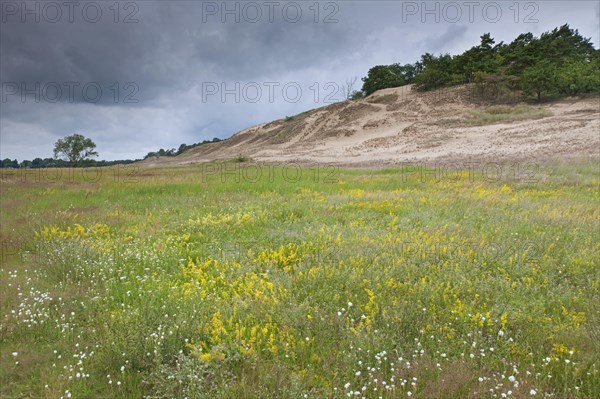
{"x":145,"y":75}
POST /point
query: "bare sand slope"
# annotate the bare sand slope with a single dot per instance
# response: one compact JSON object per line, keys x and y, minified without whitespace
{"x":400,"y":125}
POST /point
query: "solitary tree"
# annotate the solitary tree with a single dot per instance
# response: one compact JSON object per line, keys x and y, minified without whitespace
{"x":74,"y":148}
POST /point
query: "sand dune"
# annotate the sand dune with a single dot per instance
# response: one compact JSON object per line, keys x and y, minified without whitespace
{"x":400,"y":125}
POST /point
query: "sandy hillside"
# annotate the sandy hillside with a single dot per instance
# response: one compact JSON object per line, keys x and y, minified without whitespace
{"x":400,"y":125}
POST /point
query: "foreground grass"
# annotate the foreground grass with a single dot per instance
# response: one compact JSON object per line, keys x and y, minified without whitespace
{"x":235,"y":280}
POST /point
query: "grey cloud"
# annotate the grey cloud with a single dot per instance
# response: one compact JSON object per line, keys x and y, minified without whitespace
{"x":441,"y":43}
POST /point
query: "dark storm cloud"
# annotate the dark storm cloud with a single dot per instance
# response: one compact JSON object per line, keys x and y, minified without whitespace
{"x":170,"y":47}
{"x":153,"y":72}
{"x":441,"y":43}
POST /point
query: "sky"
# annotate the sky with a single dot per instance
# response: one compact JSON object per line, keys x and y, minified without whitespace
{"x":137,"y":76}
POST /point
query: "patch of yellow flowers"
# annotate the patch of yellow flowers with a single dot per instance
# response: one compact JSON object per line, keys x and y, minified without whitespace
{"x":242,"y":335}
{"x":76,"y":231}
{"x":213,"y":279}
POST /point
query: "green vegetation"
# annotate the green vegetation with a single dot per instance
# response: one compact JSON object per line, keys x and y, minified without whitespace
{"x":384,"y":76}
{"x":75,"y":148}
{"x":241,"y":158}
{"x":182,"y":148}
{"x":301,"y":114}
{"x":386,"y":99}
{"x":228,"y":280}
{"x":500,"y":114}
{"x":558,"y":63}
{"x":88,"y":163}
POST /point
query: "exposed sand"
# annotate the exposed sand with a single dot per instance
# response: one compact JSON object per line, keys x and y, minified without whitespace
{"x":413,"y":127}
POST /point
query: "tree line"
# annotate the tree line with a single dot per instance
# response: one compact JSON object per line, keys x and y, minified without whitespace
{"x":559,"y":63}
{"x":75,"y":150}
{"x":182,"y":148}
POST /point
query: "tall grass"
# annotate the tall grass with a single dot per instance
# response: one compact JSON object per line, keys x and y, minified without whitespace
{"x":242,"y":280}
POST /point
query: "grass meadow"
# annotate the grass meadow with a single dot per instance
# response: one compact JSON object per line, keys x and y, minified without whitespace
{"x":233,"y":280}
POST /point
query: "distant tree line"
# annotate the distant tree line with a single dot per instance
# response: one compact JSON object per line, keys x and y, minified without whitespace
{"x":182,"y":148}
{"x":59,"y":163}
{"x":86,"y":163}
{"x":558,"y":63}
